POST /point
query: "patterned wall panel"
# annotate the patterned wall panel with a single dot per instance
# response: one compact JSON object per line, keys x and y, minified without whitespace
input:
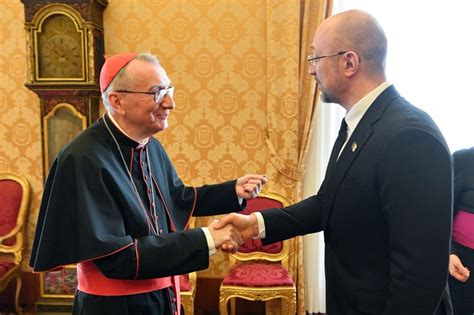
{"x":20,"y":131}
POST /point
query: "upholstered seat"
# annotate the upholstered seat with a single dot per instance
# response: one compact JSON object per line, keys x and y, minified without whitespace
{"x":14,"y":203}
{"x":258,"y":275}
{"x":257,"y":272}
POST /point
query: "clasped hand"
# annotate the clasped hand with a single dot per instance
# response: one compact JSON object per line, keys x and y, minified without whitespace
{"x":233,"y":229}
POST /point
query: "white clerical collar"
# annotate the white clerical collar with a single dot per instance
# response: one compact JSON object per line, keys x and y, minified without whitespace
{"x":141,"y":143}
{"x":354,"y":115}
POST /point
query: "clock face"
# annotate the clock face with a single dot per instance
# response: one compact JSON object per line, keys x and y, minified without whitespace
{"x":60,"y":50}
{"x":61,"y":58}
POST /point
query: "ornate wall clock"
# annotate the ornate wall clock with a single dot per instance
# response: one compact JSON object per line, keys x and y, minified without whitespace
{"x":60,"y":50}
{"x":65,"y":52}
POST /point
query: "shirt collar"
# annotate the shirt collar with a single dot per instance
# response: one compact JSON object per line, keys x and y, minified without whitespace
{"x":141,"y":143}
{"x":355,"y":114}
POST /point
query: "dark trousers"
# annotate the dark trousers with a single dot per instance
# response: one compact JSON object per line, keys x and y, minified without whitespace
{"x":151,"y":303}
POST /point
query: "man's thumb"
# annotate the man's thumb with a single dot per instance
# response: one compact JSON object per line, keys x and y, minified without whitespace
{"x":221,"y":223}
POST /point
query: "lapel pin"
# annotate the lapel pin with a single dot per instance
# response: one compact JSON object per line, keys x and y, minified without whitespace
{"x":354,"y":146}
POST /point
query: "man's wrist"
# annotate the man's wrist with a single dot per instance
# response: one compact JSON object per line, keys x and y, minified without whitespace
{"x":210,"y":242}
{"x":260,"y":232}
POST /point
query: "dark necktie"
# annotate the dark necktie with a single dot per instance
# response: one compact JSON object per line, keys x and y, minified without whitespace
{"x":341,"y":138}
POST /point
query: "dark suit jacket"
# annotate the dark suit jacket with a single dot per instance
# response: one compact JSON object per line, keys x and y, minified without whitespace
{"x":385,"y":209}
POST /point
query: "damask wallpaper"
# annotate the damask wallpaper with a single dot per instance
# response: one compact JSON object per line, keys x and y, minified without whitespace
{"x":20,"y":127}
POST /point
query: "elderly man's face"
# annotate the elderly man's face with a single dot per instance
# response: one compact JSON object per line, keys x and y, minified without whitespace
{"x":142,"y":113}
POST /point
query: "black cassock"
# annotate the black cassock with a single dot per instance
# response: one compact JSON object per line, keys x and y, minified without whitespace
{"x":92,"y":211}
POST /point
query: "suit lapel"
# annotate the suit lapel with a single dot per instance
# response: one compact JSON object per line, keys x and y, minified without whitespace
{"x":354,"y":146}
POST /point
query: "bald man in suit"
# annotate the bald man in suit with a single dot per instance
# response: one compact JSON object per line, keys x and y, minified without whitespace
{"x":385,"y":204}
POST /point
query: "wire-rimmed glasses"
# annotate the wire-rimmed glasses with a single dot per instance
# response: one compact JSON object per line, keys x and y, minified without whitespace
{"x":312,"y":58}
{"x":159,"y":95}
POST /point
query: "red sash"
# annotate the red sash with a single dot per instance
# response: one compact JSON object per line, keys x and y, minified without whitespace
{"x":92,"y":281}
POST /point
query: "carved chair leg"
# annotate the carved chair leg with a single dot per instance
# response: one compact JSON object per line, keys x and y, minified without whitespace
{"x":223,"y":304}
{"x":285,"y":305}
{"x":233,"y":303}
{"x":292,"y":304}
{"x":191,"y":307}
{"x":17,"y":294}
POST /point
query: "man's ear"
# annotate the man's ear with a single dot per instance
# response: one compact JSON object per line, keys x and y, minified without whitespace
{"x":351,"y":63}
{"x":115,"y":102}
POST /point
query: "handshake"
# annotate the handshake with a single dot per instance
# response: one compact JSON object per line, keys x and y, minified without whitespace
{"x":233,"y":229}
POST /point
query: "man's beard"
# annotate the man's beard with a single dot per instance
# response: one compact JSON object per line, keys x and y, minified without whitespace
{"x":329,"y":97}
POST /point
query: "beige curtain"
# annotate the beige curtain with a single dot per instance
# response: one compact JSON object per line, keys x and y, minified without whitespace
{"x":291,"y":107}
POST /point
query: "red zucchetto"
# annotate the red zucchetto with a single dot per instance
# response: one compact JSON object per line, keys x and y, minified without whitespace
{"x":112,"y":66}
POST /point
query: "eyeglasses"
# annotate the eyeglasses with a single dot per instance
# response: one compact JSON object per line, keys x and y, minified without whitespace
{"x":312,"y":58}
{"x":159,"y":95}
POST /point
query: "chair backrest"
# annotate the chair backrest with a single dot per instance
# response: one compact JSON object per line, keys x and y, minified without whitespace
{"x":14,"y":203}
{"x":253,"y":249}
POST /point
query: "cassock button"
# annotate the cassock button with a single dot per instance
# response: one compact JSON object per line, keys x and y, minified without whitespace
{"x":144,"y":177}
{"x":174,"y":300}
{"x":149,"y":190}
{"x":161,"y":232}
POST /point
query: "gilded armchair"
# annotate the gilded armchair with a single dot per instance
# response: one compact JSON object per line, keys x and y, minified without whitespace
{"x":257,"y":272}
{"x":14,"y":203}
